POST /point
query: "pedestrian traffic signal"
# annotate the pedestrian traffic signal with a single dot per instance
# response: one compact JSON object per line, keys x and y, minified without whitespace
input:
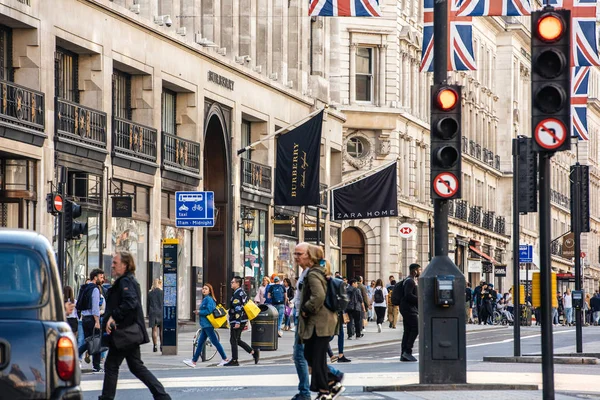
{"x":551,"y":79}
{"x":73,"y":229}
{"x":445,"y":141}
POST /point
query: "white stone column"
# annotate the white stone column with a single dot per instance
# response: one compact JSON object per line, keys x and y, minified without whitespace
{"x":382,"y":75}
{"x":385,"y":249}
{"x":352,"y":73}
{"x":208,"y":25}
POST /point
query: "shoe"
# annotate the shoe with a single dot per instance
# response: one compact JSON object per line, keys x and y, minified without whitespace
{"x":256,"y":355}
{"x":390,"y":324}
{"x":408,"y":357}
{"x":336,"y":390}
{"x":324,"y":396}
{"x":361,"y":335}
{"x":334,"y":358}
{"x":298,"y":396}
{"x":343,"y":359}
{"x":349,"y":338}
{"x":393,"y":327}
{"x":87,"y":358}
{"x":280,"y":333}
{"x":189,"y":363}
{"x":161,"y":347}
{"x":223,"y":362}
{"x":379,"y":328}
{"x":232,"y":363}
{"x":97,"y":370}
{"x":154,"y":350}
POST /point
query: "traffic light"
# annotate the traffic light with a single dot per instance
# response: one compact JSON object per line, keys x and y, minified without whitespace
{"x":551,"y":79}
{"x":445,"y":141}
{"x":73,"y":229}
{"x":54,"y":203}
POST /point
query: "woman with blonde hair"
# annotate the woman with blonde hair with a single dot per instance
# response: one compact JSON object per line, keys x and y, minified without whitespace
{"x":260,"y":294}
{"x":155,"y":312}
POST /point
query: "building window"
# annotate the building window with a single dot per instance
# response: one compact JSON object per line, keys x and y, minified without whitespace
{"x":246,"y":139}
{"x":169,"y":113}
{"x":66,"y":75}
{"x":364,"y":74}
{"x":121,"y":95}
{"x":6,"y":54}
{"x":357,"y":147}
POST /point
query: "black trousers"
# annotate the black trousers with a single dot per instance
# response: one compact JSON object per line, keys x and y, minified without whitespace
{"x":355,"y":324}
{"x":235,"y":339}
{"x":136,"y":366}
{"x":88,"y":322}
{"x":315,"y":353}
{"x":380,"y":311}
{"x":411,"y":331}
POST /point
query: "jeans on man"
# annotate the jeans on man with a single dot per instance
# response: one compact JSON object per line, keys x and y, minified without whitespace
{"x":596,"y":317}
{"x":88,"y":323}
{"x":569,"y":315}
{"x":281,"y":311}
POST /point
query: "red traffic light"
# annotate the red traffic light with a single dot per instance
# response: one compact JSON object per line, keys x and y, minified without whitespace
{"x":550,"y":27}
{"x":446,"y":99}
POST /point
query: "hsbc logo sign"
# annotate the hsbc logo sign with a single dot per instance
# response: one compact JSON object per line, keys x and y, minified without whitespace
{"x":407,"y":230}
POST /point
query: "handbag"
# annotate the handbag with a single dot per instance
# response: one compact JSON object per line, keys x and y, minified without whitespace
{"x":94,"y":343}
{"x":217,"y":322}
{"x":127,"y":337}
{"x":251,"y":310}
{"x":288,"y":311}
{"x":219,"y":311}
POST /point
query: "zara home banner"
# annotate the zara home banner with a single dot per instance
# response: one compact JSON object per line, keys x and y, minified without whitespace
{"x":375,"y":196}
{"x":298,"y":164}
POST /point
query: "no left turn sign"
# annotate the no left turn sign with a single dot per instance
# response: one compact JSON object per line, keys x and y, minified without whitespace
{"x":550,"y":134}
{"x":445,"y":185}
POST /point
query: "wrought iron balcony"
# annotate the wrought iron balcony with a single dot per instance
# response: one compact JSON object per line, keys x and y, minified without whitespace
{"x":478,"y":151}
{"x":21,"y":107}
{"x":323,"y":195}
{"x":475,"y":215}
{"x":465,"y":144}
{"x":80,"y":126}
{"x":497,"y":162}
{"x":257,"y":176}
{"x":472,"y":148}
{"x":500,"y":227}
{"x":134,"y":143}
{"x":461,"y":210}
{"x":451,"y":207}
{"x":181,"y":155}
{"x":488,"y":220}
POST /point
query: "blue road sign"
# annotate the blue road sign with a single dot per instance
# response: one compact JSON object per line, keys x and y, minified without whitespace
{"x":195,"y":209}
{"x":525,"y":253}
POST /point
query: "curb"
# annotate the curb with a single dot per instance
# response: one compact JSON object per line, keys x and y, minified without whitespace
{"x":448,"y":387}
{"x":592,"y":355}
{"x":538,"y":359}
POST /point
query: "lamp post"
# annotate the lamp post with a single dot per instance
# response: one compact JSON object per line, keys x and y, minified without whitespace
{"x":247,"y":225}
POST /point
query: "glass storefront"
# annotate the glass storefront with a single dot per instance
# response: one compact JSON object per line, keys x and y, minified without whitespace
{"x":18,"y":193}
{"x":184,"y":266}
{"x":336,"y":251}
{"x":252,"y":252}
{"x":283,"y":251}
{"x":83,"y":255}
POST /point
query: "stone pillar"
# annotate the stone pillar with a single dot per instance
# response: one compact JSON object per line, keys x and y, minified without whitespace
{"x":245,"y":36}
{"x":262,"y":36}
{"x":226,"y":31}
{"x":382,"y":75}
{"x":293,"y":44}
{"x":208,"y":24}
{"x":187,"y":17}
{"x":278,"y":23}
{"x":334,"y":60}
{"x":384,"y":269}
{"x":352,"y":73}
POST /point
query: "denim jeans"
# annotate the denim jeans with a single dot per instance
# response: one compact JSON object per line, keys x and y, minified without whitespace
{"x":281,"y":310}
{"x":554,"y":315}
{"x":596,"y":316}
{"x":569,"y":315}
{"x":210,"y":334}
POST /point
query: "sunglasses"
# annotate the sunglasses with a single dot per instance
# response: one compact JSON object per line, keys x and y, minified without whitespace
{"x":298,"y":254}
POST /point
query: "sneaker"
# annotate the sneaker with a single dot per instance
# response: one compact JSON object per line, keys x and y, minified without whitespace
{"x":280,"y":333}
{"x":390,"y":324}
{"x":407,"y":357}
{"x":232,"y":363}
{"x":298,"y":396}
{"x":189,"y":363}
{"x":343,"y":359}
{"x":349,"y":338}
{"x":256,"y":355}
{"x":336,"y":390}
{"x":154,"y":349}
{"x":324,"y":396}
{"x":379,"y":328}
{"x":334,"y":358}
{"x":223,"y":362}
{"x":97,"y":370}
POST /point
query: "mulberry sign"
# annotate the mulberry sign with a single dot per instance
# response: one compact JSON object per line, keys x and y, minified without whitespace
{"x":220,"y":80}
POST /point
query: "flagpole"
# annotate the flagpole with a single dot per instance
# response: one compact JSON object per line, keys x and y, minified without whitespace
{"x":365,"y":175}
{"x":278,"y":131}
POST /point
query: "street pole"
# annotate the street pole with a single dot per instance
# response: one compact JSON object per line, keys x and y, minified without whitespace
{"x":546,"y":277}
{"x":516,"y":242}
{"x":61,"y":227}
{"x":576,"y":226}
{"x":318,"y":226}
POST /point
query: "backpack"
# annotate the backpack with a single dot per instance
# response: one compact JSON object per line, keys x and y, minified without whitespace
{"x":378,"y":296}
{"x":398,"y":292}
{"x":84,"y":300}
{"x":277,"y":294}
{"x":336,"y":298}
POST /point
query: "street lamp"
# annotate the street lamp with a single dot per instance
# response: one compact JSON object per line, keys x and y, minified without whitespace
{"x":247,"y":223}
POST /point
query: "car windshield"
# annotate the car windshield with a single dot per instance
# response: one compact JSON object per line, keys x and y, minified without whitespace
{"x":22,"y":278}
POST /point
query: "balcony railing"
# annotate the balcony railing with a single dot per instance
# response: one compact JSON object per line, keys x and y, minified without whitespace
{"x":465,"y":144}
{"x":475,"y":215}
{"x":478,"y":151}
{"x":500,"y":227}
{"x":472,"y":148}
{"x":560,"y":198}
{"x":80,"y":124}
{"x":257,"y":176}
{"x":461,"y":210}
{"x":323,"y":195}
{"x":488,"y":220}
{"x":21,"y":106}
{"x":133,"y":140}
{"x":451,"y":208}
{"x":497,"y":162}
{"x":181,"y":154}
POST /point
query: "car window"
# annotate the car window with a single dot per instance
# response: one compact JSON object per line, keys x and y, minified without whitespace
{"x":22,"y":278}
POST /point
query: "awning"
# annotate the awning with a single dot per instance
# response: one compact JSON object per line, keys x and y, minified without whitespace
{"x":482,"y":254}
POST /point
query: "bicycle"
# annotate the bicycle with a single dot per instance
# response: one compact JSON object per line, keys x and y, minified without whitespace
{"x":209,"y":351}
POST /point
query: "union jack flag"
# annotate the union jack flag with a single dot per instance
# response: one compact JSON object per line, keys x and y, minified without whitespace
{"x":580,"y":77}
{"x":584,"y":47}
{"x":460,"y":34}
{"x":484,"y":8}
{"x":344,"y":8}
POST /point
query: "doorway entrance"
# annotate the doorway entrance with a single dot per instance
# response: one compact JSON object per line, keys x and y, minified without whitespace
{"x":216,"y":179}
{"x":353,"y":253}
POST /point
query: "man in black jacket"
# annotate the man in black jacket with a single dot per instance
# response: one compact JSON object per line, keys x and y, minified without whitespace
{"x":238,"y":320}
{"x":410,"y":312}
{"x":124,"y":309}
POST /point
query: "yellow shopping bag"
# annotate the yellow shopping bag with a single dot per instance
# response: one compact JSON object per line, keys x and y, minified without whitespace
{"x":251,"y":309}
{"x":217,"y":322}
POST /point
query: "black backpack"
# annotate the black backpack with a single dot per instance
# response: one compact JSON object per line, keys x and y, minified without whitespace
{"x":398,"y":292}
{"x":336,"y":298}
{"x":378,"y":296}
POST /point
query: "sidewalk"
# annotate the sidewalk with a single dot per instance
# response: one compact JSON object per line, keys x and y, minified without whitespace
{"x":284,"y":349}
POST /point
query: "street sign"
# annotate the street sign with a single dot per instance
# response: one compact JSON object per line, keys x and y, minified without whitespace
{"x":58,"y":202}
{"x":525,"y":253}
{"x":550,"y":134}
{"x":407,"y":230}
{"x":194,"y":209}
{"x":445,"y":185}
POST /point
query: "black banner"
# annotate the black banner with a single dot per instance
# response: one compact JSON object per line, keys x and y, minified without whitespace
{"x":298,"y":164}
{"x":122,"y":206}
{"x":375,"y":196}
{"x":500,"y":271}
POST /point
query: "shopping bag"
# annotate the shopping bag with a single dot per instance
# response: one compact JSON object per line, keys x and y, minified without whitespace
{"x":251,"y":309}
{"x":216,"y":322}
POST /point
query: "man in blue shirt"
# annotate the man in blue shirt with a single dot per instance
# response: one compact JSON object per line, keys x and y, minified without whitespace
{"x":88,"y":304}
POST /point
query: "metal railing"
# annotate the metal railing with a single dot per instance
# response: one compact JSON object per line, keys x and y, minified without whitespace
{"x":478,"y":151}
{"x":323,"y":195}
{"x":134,"y":140}
{"x":461,"y":211}
{"x":488,"y":220}
{"x":451,"y":208}
{"x":80,"y":124}
{"x":475,"y":215}
{"x":256,"y":175}
{"x":500,"y":227}
{"x":181,"y":153}
{"x":21,"y":106}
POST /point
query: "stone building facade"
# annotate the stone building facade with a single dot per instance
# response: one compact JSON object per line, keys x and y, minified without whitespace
{"x":141,"y":99}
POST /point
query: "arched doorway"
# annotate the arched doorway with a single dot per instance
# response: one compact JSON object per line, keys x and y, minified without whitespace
{"x":353,"y":252}
{"x":216,"y":179}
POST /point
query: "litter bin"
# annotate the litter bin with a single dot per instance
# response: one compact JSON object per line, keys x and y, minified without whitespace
{"x":264,"y":328}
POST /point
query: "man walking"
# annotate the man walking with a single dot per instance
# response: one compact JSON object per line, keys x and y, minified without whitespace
{"x":238,"y":320}
{"x":354,"y":310}
{"x":365,"y":296}
{"x":410,"y":312}
{"x":88,"y":304}
{"x":276,"y":295}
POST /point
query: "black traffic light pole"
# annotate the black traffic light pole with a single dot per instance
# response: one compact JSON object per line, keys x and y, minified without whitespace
{"x":576,"y":227}
{"x":61,"y":226}
{"x":516,"y":262}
